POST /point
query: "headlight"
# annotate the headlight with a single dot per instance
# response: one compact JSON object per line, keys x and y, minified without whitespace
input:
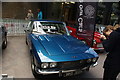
{"x":44,"y":65}
{"x":54,"y":64}
{"x":94,"y":41}
{"x":94,"y":59}
{"x":89,"y":60}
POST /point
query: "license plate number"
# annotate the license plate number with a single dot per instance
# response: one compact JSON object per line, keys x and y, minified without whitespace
{"x":72,"y":73}
{"x":68,"y":74}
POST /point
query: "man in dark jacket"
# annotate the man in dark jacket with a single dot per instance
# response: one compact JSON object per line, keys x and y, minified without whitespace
{"x":112,"y":62}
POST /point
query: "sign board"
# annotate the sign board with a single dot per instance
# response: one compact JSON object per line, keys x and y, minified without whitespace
{"x":86,"y":20}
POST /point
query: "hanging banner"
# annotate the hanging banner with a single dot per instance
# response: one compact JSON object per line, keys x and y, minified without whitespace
{"x":86,"y":20}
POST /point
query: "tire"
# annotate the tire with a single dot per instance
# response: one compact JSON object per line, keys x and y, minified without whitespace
{"x":88,"y":69}
{"x":33,"y":67}
{"x":26,"y":41}
{"x":37,"y":76}
{"x":4,"y":44}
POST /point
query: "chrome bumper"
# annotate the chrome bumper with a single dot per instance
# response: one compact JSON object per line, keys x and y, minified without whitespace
{"x":54,"y":72}
{"x":58,"y":72}
{"x":98,"y":49}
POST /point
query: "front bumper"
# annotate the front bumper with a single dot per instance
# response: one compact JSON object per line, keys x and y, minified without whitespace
{"x":65,"y":69}
{"x":98,"y":46}
{"x":62,"y":73}
{"x":100,"y":49}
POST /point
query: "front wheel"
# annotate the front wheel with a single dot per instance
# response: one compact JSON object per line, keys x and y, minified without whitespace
{"x":33,"y":66}
{"x":88,"y":69}
{"x":26,"y":41}
{"x":4,"y":44}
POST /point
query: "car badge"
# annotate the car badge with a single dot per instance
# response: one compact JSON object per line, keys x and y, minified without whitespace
{"x":74,"y":56}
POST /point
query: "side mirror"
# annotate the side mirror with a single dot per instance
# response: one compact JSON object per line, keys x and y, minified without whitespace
{"x":27,"y":30}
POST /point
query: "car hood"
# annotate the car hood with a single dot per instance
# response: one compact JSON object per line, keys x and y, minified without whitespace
{"x":61,"y":45}
{"x":62,"y":48}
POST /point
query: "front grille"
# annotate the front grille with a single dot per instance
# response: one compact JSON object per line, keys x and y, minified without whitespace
{"x":69,"y":65}
{"x":99,"y":45}
{"x":72,"y":64}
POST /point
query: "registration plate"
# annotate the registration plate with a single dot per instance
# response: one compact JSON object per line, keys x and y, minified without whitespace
{"x":72,"y":73}
{"x":68,"y":74}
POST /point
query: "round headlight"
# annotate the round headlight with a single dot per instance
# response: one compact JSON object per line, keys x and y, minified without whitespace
{"x":89,"y":60}
{"x":44,"y":65}
{"x":54,"y":64}
{"x":94,"y":41}
{"x":94,"y":59}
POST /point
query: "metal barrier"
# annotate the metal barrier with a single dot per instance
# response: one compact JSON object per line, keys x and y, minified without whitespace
{"x":15,"y":27}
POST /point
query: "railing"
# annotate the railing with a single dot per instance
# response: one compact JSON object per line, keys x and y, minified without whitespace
{"x":15,"y":27}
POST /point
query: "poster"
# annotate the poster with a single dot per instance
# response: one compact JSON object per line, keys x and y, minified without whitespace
{"x":86,"y":20}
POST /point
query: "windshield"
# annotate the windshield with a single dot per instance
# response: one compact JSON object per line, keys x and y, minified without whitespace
{"x":52,"y":28}
{"x":100,"y":29}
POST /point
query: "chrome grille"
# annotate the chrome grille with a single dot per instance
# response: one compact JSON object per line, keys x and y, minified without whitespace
{"x":72,"y":64}
{"x":99,"y":45}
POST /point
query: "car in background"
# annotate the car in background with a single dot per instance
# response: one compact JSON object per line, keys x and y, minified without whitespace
{"x":55,"y":52}
{"x":3,"y":37}
{"x":97,"y":44}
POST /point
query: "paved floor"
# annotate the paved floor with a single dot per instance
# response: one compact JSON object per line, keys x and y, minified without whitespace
{"x":16,"y":61}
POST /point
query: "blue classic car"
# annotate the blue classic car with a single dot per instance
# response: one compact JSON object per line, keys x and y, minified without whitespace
{"x":55,"y":52}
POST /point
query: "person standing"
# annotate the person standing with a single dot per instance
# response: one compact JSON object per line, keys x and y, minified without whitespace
{"x":111,"y":44}
{"x":40,"y":15}
{"x":30,"y":15}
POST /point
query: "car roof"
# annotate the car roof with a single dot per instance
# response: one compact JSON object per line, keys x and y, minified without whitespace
{"x":48,"y":21}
